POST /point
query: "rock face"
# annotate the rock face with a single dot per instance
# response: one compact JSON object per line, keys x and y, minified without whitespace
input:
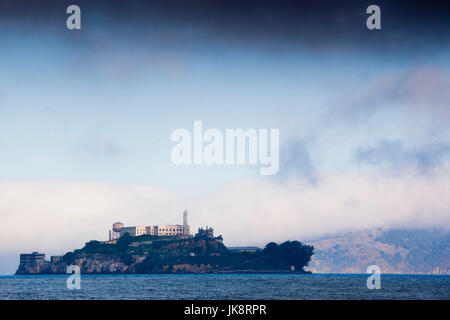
{"x":394,"y":251}
{"x":33,"y":268}
{"x":88,"y":263}
{"x":147,"y":254}
{"x":165,"y":252}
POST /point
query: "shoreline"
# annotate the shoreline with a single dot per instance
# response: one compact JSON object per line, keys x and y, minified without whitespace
{"x":230,"y":273}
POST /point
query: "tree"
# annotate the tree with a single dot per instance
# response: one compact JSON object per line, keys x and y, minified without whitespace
{"x":69,"y":257}
{"x":271,"y":249}
{"x":296,"y":254}
{"x":123,"y":243}
{"x":289,"y":253}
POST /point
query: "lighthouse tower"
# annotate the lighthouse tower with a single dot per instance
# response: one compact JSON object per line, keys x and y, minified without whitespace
{"x":185,"y":224}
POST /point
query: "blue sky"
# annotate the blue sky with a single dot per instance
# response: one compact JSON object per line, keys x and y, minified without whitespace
{"x":72,"y":112}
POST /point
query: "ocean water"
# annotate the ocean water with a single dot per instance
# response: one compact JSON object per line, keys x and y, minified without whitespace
{"x":232,"y":286}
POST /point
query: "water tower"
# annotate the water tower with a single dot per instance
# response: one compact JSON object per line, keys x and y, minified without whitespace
{"x":117,"y":226}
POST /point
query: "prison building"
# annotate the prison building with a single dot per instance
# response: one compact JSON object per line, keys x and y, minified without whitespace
{"x":133,"y":231}
{"x":207,"y":232}
{"x":169,"y":230}
{"x":151,"y":230}
{"x":32,"y":258}
{"x":178,"y":230}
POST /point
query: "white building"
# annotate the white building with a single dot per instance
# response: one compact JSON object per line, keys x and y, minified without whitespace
{"x":169,"y":230}
{"x":133,"y":231}
{"x":158,"y":230}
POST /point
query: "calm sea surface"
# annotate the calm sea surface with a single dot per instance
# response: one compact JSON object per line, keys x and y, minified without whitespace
{"x":235,"y":286}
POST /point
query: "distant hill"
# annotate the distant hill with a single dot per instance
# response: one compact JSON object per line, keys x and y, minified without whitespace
{"x":394,"y":251}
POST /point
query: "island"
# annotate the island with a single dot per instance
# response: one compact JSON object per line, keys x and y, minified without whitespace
{"x":147,"y":254}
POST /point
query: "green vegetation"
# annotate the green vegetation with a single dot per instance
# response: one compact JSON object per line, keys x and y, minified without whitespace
{"x":291,"y":253}
{"x":151,"y":254}
{"x":69,"y":257}
{"x":214,"y":253}
{"x":123,"y":245}
{"x":121,"y":248}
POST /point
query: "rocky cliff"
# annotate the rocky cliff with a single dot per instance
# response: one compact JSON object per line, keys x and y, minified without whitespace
{"x":148,"y":254}
{"x":88,"y":263}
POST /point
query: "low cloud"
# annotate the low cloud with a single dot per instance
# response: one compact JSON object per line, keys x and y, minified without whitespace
{"x":55,"y":217}
{"x":394,"y":154}
{"x":296,"y":161}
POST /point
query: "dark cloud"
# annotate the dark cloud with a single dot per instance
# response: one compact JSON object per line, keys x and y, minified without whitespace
{"x":394,"y":154}
{"x":407,"y":26}
{"x":295,"y":162}
{"x":416,"y":92}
